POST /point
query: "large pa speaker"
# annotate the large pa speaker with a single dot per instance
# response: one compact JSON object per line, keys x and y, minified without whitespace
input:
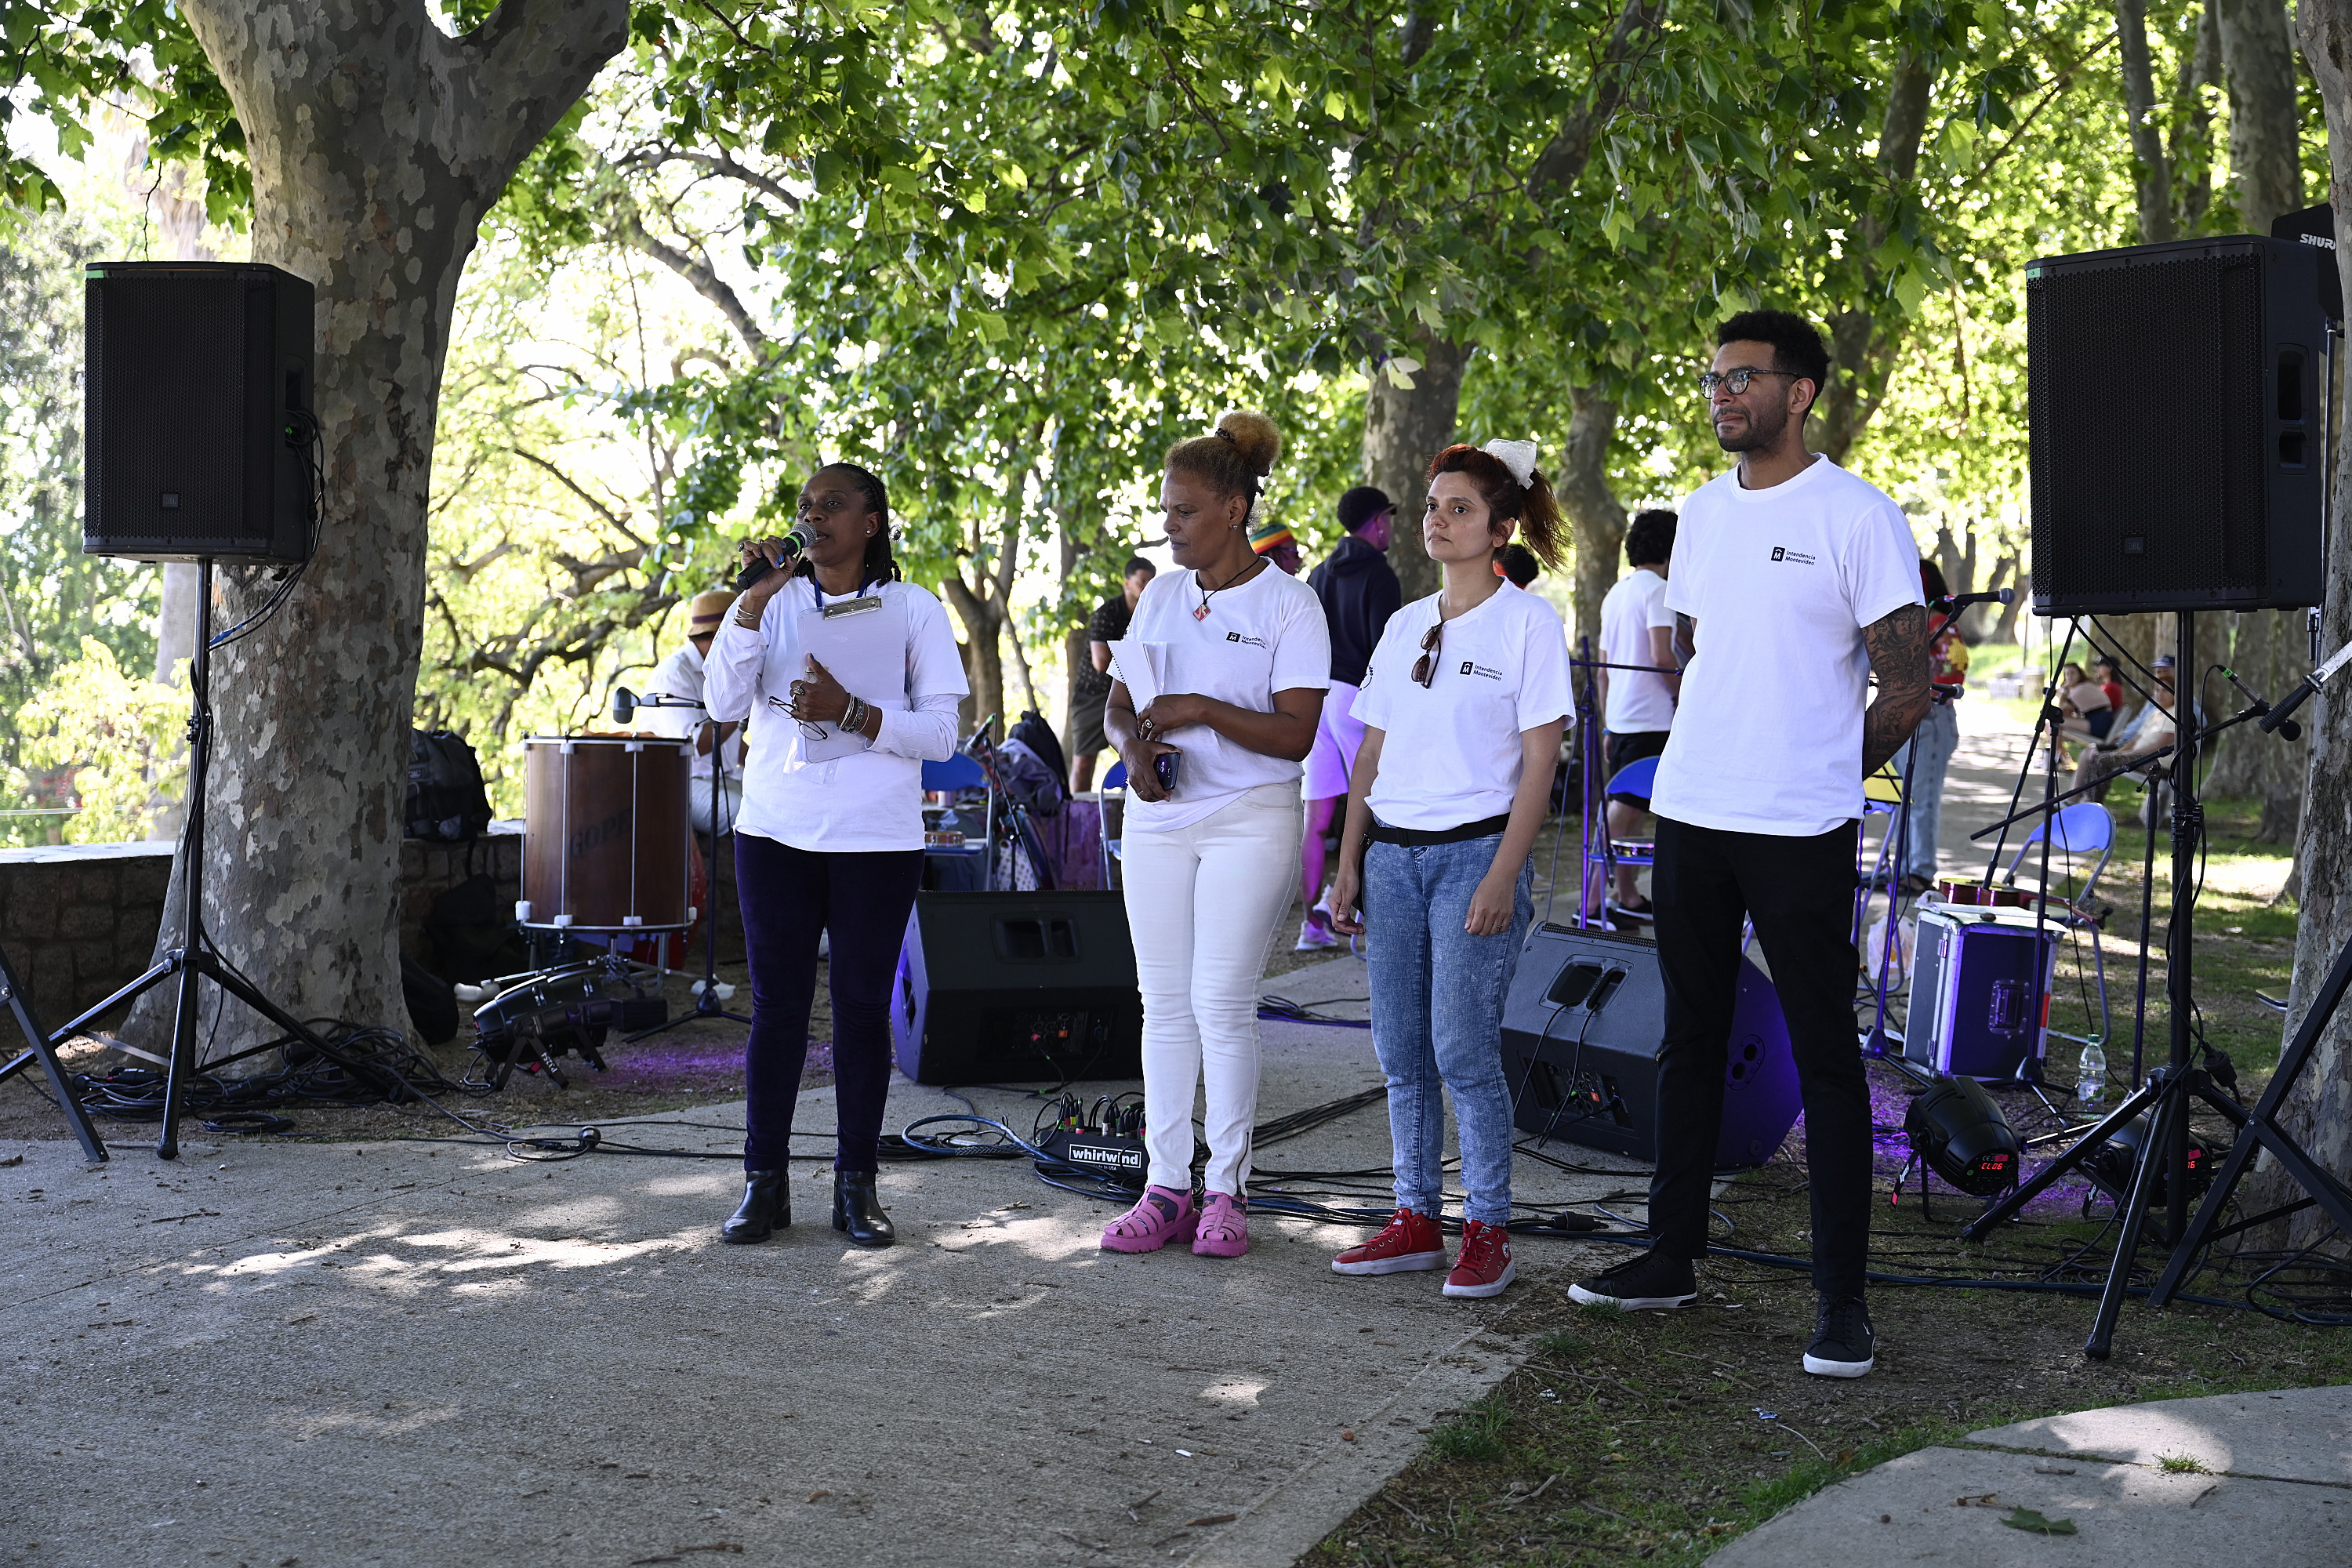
{"x":1580,"y":1033}
{"x":994,"y":987}
{"x":195,"y":371}
{"x":2173,"y":395}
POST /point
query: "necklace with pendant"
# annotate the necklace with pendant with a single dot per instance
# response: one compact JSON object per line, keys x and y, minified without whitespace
{"x":1206,"y":594}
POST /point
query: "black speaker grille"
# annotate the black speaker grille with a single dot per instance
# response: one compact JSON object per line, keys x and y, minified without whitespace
{"x":167,"y":413}
{"x":2146,"y":406}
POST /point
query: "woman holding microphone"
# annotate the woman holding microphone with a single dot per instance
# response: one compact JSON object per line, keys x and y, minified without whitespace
{"x":1473,"y":685}
{"x":1213,"y":822}
{"x":831,"y":834}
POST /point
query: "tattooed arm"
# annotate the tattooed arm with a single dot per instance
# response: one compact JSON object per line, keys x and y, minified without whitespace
{"x":1899,"y":658}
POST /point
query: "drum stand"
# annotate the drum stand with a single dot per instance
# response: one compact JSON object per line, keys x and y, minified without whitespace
{"x":191,"y":958}
{"x":706,"y":1004}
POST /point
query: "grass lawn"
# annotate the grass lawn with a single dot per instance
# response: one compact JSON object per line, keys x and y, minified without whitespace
{"x":1656,"y":1437}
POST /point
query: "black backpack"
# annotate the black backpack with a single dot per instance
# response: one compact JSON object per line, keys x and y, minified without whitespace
{"x":446,"y":802}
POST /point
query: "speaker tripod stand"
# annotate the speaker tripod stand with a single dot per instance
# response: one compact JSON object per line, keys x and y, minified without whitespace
{"x":192,"y":959}
{"x":2170,"y":1093}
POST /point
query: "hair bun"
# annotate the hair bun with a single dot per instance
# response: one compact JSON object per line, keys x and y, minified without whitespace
{"x":1256,"y":436}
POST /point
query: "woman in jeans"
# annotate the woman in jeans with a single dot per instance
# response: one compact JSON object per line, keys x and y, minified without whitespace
{"x":1240,"y":659}
{"x":831,"y":834}
{"x":1473,"y":685}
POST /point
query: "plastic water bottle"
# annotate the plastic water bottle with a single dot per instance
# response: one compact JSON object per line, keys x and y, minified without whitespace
{"x":2091,"y":1087}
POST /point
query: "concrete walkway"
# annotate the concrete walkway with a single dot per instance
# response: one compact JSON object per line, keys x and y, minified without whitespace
{"x":2241,"y":1477}
{"x":407,"y":1353}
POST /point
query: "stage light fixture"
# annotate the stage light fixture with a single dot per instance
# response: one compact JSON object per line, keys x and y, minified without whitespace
{"x":1958,"y":1130}
{"x":2110,"y":1166}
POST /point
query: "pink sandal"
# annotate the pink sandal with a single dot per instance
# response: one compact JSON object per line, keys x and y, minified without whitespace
{"x":1224,"y":1227}
{"x":1160,"y":1215}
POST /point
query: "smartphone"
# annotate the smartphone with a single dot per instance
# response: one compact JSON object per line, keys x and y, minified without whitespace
{"x":1164,"y":767}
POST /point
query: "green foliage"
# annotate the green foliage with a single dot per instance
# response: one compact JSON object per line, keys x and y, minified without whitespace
{"x":117,"y":735}
{"x":1477,"y":1436}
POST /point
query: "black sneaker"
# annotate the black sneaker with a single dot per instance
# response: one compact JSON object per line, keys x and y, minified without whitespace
{"x":1843,"y":1345}
{"x":1651,"y":1280}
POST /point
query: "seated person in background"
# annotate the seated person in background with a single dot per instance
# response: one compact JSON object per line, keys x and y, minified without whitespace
{"x":2088,"y":714}
{"x":2102,"y":670}
{"x":681,"y":675}
{"x":2156,"y":731}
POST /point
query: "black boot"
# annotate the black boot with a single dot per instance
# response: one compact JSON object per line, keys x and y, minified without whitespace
{"x":857,"y":1211}
{"x":767,"y":1205}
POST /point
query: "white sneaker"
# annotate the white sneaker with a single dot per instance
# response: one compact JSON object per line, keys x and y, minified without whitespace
{"x":1313,"y":938}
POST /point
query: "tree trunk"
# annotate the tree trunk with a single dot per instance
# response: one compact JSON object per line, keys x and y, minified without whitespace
{"x":1862,"y":348}
{"x":2269,"y":646}
{"x":1404,"y":427}
{"x":1077,"y":656}
{"x":2258,"y":64}
{"x":1594,"y":516}
{"x":2316,"y":1111}
{"x":377,"y":143}
{"x":2151,"y":170}
{"x":2270,"y":654}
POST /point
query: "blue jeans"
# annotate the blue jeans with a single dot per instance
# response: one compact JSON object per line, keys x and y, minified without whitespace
{"x":1437,"y":1014}
{"x":1935,"y":740}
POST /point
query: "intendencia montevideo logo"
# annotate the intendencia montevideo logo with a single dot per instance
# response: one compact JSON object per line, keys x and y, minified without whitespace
{"x":1781,"y":553}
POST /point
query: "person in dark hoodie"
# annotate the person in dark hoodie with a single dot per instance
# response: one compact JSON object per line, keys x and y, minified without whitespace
{"x":1360,"y":592}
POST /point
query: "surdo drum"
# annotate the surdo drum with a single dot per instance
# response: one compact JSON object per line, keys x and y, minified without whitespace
{"x":605,"y":836}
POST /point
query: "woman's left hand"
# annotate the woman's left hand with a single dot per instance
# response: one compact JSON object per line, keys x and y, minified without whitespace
{"x":1172,"y":710}
{"x":1491,"y":905}
{"x":819,"y":698}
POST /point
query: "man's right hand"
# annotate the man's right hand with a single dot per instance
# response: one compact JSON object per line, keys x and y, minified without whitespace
{"x":1346,"y":892}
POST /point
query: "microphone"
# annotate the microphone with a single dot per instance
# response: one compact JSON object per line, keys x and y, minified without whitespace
{"x":624,"y":704}
{"x":796,"y":543}
{"x":2286,"y":728}
{"x":1962,"y":601}
{"x":2303,"y":688}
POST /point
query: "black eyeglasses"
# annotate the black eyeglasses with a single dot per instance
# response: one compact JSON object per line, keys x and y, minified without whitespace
{"x":1425,"y":668}
{"x":1736,"y":379}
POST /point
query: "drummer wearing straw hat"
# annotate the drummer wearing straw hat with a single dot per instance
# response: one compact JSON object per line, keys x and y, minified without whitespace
{"x":681,"y":675}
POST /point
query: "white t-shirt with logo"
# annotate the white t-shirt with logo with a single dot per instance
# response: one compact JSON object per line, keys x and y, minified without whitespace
{"x":1638,"y":701}
{"x":1266,"y":635}
{"x":1452,"y":753}
{"x":1781,"y":582}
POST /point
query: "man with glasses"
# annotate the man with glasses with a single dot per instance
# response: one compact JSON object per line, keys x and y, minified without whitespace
{"x":1793,"y":581}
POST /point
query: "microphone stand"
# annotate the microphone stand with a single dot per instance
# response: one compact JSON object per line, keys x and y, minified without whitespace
{"x":706,"y":1004}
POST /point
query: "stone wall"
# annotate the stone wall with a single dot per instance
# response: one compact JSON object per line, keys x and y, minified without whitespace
{"x":79,"y":922}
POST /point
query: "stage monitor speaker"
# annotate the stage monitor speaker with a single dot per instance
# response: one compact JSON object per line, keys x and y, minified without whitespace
{"x":189,"y":451}
{"x":1580,"y":1033}
{"x":2174,"y":402}
{"x":1017,"y":987}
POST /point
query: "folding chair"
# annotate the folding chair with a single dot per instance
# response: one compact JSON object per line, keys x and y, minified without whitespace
{"x":1634,"y":778}
{"x":2087,"y":827}
{"x":961,"y":771}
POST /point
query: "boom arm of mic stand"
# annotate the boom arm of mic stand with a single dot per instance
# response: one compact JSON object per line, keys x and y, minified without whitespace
{"x":2305,"y":688}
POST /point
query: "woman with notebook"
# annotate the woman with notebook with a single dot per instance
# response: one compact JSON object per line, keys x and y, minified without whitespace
{"x":831,"y":834}
{"x":1220,"y":682}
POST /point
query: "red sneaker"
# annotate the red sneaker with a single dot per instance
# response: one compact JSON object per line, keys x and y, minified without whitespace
{"x":1485,"y":1265}
{"x":1410,"y":1241}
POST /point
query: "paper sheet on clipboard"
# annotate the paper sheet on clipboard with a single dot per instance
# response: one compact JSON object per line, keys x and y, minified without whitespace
{"x":867,"y":652}
{"x":1142,"y":668}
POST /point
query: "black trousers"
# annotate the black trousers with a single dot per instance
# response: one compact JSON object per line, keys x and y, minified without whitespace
{"x":1800,"y":893}
{"x":789,"y":896}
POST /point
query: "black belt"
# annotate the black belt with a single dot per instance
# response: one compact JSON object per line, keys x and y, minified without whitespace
{"x":1417,"y":837}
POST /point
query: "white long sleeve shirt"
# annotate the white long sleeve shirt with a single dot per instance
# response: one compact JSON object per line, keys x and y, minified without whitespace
{"x":680,"y":675}
{"x":868,"y":801}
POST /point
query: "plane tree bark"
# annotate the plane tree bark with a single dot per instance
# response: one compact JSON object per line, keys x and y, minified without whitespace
{"x":376,"y":143}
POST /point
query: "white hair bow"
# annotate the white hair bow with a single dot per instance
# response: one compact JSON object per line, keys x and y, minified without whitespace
{"x":1519,"y":457}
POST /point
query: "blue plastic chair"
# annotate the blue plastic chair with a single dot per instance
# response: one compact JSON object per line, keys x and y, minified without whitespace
{"x":958,"y":771}
{"x":1113,"y":783}
{"x":2087,"y":827}
{"x":1634,"y":778}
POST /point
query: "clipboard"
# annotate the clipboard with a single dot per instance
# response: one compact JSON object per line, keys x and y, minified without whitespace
{"x":867,"y":652}
{"x":1142,"y":668}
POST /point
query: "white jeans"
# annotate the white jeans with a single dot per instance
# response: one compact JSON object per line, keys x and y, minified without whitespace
{"x":1201,"y":902}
